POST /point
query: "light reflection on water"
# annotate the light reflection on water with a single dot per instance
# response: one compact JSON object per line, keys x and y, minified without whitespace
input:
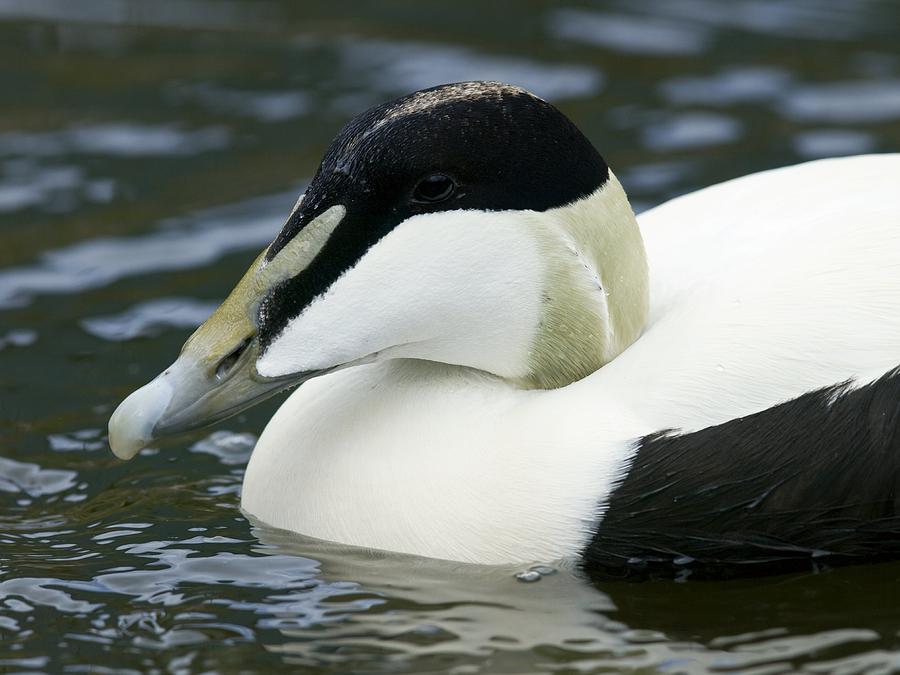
{"x":98,"y":262}
{"x":149,"y":150}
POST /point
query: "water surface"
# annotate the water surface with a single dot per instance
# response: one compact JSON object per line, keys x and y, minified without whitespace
{"x":149,"y":150}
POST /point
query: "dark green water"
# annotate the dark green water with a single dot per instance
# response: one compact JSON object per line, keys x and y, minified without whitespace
{"x":148,"y":150}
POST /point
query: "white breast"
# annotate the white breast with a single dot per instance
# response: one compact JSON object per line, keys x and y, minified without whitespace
{"x":433,"y":460}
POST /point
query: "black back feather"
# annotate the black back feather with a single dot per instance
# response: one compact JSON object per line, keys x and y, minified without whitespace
{"x":809,"y":483}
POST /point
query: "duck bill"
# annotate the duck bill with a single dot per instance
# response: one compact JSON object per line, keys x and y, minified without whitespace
{"x":188,"y":396}
{"x":215,"y":376}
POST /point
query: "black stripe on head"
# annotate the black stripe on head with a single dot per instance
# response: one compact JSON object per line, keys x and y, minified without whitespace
{"x":808,"y":483}
{"x":499,"y":146}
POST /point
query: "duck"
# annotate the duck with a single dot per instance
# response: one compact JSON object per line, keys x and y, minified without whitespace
{"x":495,"y":361}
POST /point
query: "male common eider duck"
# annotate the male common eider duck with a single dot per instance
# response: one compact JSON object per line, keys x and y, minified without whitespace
{"x":501,"y":365}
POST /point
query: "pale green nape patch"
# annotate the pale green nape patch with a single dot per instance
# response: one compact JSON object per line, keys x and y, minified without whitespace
{"x":234,"y":321}
{"x":596,"y":292}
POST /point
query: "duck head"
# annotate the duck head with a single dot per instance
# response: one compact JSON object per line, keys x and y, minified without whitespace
{"x":471,"y":224}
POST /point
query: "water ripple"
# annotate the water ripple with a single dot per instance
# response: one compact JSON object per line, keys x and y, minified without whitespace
{"x":230,"y":448}
{"x":149,"y":318}
{"x":692,"y":130}
{"x":647,"y":36}
{"x":32,"y":480}
{"x":817,"y":143}
{"x":728,"y":87}
{"x":178,"y":13}
{"x":19,"y":337}
{"x":123,"y":139}
{"x":54,"y":189}
{"x":40,"y":592}
{"x":395,"y":68}
{"x":192,"y":243}
{"x":265,"y":106}
{"x":78,"y":441}
{"x":808,"y":19}
{"x":847,"y":102}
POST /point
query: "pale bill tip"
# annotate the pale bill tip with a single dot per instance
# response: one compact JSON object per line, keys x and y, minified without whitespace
{"x":131,"y":425}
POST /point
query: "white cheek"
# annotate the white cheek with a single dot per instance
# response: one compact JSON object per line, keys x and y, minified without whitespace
{"x":459,"y":287}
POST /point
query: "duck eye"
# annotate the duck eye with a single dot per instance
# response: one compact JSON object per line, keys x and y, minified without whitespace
{"x":434,"y":188}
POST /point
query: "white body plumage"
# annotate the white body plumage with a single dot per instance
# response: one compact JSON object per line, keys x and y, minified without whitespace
{"x":761,"y":289}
